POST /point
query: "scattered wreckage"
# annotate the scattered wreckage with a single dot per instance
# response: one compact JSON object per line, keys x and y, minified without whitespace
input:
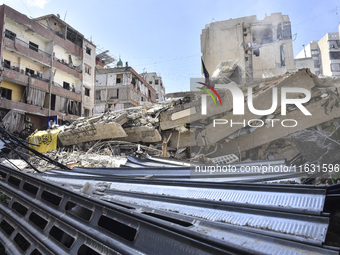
{"x":180,"y":125}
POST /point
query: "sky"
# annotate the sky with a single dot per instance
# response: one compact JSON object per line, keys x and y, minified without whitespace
{"x":164,"y":36}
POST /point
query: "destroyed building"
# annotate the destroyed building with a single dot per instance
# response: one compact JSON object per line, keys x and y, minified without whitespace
{"x":250,"y":49}
{"x":156,"y":82}
{"x":121,"y":87}
{"x":322,"y":57}
{"x":48,"y":70}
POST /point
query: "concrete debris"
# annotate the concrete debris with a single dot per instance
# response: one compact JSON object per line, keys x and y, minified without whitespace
{"x":178,"y":129}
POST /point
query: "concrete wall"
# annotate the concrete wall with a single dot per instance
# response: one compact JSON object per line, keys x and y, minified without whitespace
{"x":89,"y":79}
{"x":17,"y":90}
{"x":257,"y":46}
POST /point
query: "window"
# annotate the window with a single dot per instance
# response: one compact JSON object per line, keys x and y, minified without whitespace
{"x":6,"y":93}
{"x":87,"y":69}
{"x":86,"y":112}
{"x":150,"y":82}
{"x":334,"y":55}
{"x":9,"y":34}
{"x":88,"y":50}
{"x":33,"y":46}
{"x":315,"y":52}
{"x":316,"y":64}
{"x":333,"y":45}
{"x":66,"y":85}
{"x":335,"y":67}
{"x":156,"y":82}
{"x":87,"y":92}
{"x":98,"y":97}
{"x":29,"y":72}
{"x":7,"y":63}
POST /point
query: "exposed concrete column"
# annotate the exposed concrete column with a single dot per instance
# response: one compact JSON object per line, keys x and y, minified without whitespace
{"x":50,"y":81}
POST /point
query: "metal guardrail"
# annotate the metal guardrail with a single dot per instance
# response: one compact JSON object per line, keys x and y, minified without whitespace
{"x":68,"y":223}
{"x":42,"y":217}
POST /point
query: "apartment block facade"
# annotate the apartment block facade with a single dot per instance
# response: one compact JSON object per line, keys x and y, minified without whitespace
{"x":156,"y":82}
{"x":310,"y":57}
{"x":255,"y":48}
{"x":322,"y":57}
{"x":121,"y":87}
{"x":48,"y":69}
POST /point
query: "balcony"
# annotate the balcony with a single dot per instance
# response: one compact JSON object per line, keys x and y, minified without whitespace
{"x":36,"y":110}
{"x":60,"y":91}
{"x":67,"y":68}
{"x":17,"y":76}
{"x":23,"y":48}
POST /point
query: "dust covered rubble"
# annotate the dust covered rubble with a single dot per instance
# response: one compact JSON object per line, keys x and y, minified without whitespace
{"x":180,"y":125}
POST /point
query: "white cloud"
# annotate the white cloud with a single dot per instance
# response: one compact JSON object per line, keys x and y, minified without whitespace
{"x":38,"y":3}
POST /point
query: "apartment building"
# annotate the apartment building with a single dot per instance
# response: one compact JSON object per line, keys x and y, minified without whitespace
{"x":48,"y":70}
{"x":156,"y":82}
{"x":121,"y":87}
{"x":322,"y":57}
{"x":310,"y":57}
{"x":255,"y":49}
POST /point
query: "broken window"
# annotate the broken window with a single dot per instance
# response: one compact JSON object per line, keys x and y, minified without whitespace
{"x":262,"y":34}
{"x":98,"y":95}
{"x":87,"y":69}
{"x":66,"y":85}
{"x":73,"y":107}
{"x":119,"y":78}
{"x":74,"y":37}
{"x":334,"y":55}
{"x":87,"y":92}
{"x":53,"y":99}
{"x":88,"y":50}
{"x":113,"y":93}
{"x":150,"y":82}
{"x":6,"y":93}
{"x":86,"y":112}
{"x":256,"y":52}
{"x":284,"y":31}
{"x":33,"y":46}
{"x":9,"y":34}
{"x":29,"y":72}
{"x":7,"y":63}
{"x":156,"y":82}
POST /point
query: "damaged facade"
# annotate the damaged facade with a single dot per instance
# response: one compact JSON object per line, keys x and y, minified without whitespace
{"x":48,"y":69}
{"x":121,"y":87}
{"x":249,"y":49}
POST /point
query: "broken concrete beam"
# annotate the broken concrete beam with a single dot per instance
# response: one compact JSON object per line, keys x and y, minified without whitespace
{"x":87,"y":133}
{"x":265,"y":135}
{"x":142,"y":134}
{"x":179,"y":139}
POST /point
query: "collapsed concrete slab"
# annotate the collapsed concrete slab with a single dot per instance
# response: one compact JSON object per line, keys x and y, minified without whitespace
{"x":263,"y":135}
{"x":91,"y":132}
{"x":142,"y":134}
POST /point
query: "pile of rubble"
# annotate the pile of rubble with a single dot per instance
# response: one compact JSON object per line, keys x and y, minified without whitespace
{"x":178,"y":128}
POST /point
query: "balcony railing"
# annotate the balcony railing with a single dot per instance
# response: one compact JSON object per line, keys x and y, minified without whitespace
{"x":17,"y":69}
{"x":23,"y":43}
